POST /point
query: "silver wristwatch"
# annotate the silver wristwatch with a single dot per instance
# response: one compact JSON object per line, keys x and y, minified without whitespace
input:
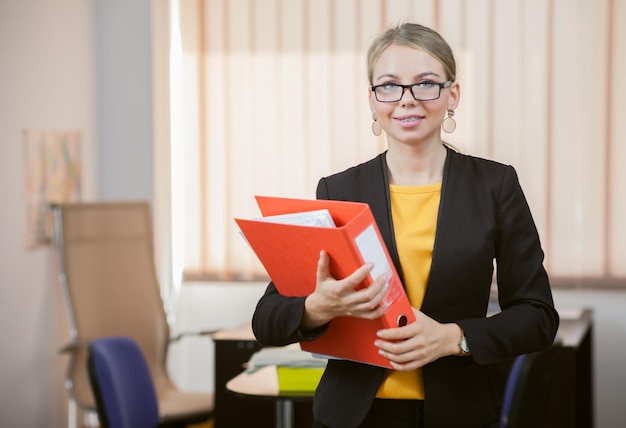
{"x":464,"y":349}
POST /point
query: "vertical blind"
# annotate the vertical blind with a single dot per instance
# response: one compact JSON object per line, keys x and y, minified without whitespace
{"x":273,"y":95}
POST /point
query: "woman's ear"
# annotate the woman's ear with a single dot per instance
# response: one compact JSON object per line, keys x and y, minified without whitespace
{"x":371,"y":98}
{"x":455,"y":95}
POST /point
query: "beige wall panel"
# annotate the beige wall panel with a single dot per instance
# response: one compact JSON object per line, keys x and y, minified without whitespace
{"x":567,"y":203}
{"x":533,"y":162}
{"x":185,"y":64}
{"x":424,"y":12}
{"x":577,"y":141}
{"x":292,"y":101}
{"x":215,"y":122}
{"x":320,"y":95}
{"x":344,"y":84}
{"x":398,"y":11}
{"x":617,"y":113}
{"x":506,"y":82}
{"x":591,"y":115}
{"x":475,"y":76}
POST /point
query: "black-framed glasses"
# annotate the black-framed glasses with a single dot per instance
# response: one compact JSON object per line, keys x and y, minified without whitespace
{"x":422,"y":91}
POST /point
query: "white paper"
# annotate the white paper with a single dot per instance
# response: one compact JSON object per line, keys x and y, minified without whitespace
{"x":317,"y":218}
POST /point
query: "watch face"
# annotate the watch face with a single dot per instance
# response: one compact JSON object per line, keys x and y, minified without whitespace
{"x":464,"y":346}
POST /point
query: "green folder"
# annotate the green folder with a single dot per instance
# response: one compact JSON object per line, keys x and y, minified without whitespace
{"x":298,"y":380}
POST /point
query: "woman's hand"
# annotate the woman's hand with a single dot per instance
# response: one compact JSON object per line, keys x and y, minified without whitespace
{"x":418,"y":343}
{"x":333,"y":298}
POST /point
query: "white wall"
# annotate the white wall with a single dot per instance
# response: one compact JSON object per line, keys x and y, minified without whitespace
{"x":47,"y":80}
{"x":123,"y":48}
{"x":204,"y":306}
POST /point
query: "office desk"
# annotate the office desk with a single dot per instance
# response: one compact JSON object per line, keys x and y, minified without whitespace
{"x":575,"y":374}
{"x":263,"y":383}
{"x":571,"y":398}
{"x":233,"y":348}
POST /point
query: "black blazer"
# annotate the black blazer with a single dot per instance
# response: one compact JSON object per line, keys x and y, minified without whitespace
{"x":483,"y":215}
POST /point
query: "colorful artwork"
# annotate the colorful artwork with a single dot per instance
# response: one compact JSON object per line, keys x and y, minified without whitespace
{"x":53,"y":175}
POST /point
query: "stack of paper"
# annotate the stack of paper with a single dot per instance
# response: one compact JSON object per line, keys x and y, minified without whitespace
{"x":284,"y":356}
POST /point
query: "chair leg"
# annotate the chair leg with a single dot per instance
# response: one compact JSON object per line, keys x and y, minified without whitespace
{"x":90,"y":419}
{"x":72,"y":411}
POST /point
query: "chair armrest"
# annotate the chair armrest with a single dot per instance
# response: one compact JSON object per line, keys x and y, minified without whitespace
{"x":193,"y":333}
{"x":74,"y":345}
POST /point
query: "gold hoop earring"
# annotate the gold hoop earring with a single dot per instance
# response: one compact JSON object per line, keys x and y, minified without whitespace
{"x":376,"y":128}
{"x":449,"y":124}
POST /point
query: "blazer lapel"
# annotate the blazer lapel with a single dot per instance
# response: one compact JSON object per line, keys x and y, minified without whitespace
{"x":379,"y":200}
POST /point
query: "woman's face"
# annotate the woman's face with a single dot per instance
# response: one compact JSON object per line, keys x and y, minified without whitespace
{"x":410,"y":121}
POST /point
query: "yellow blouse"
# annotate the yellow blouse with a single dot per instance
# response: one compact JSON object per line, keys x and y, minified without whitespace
{"x":414,"y":211}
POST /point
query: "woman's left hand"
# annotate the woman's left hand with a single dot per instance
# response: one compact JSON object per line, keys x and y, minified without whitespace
{"x":419,"y":343}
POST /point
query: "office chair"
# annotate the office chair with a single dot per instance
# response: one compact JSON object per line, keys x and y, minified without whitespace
{"x":529,"y":391}
{"x":122,"y":384}
{"x":108,"y":280}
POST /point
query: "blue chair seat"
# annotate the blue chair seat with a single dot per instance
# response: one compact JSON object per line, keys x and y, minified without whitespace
{"x":122,"y":385}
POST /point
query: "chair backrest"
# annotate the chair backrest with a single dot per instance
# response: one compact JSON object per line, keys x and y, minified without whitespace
{"x":529,"y":390}
{"x":109,"y":282}
{"x":122,"y":384}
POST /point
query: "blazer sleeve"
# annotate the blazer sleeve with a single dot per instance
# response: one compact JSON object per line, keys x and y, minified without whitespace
{"x":276,"y":319}
{"x":528,"y":321}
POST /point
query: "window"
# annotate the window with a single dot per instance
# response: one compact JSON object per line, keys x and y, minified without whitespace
{"x":271,"y":95}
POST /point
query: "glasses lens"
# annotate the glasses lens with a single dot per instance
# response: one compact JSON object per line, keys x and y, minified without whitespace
{"x":388,"y":93}
{"x":426,"y":91}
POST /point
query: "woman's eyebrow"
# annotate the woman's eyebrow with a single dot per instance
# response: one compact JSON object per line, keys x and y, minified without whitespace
{"x":427,"y":74}
{"x":419,"y":76}
{"x":386,"y":76}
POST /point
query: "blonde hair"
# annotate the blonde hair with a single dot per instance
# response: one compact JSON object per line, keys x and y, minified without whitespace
{"x":415,"y":36}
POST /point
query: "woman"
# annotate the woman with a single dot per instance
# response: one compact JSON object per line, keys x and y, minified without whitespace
{"x":445,"y":217}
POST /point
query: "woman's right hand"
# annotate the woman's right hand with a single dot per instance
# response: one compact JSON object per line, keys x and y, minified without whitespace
{"x":339,"y":297}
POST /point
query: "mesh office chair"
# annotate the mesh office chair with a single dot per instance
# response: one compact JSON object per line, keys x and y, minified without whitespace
{"x":108,"y":279}
{"x":122,"y":385}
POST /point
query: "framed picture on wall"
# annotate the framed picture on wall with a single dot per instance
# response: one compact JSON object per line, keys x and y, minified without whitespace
{"x":53,"y":174}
